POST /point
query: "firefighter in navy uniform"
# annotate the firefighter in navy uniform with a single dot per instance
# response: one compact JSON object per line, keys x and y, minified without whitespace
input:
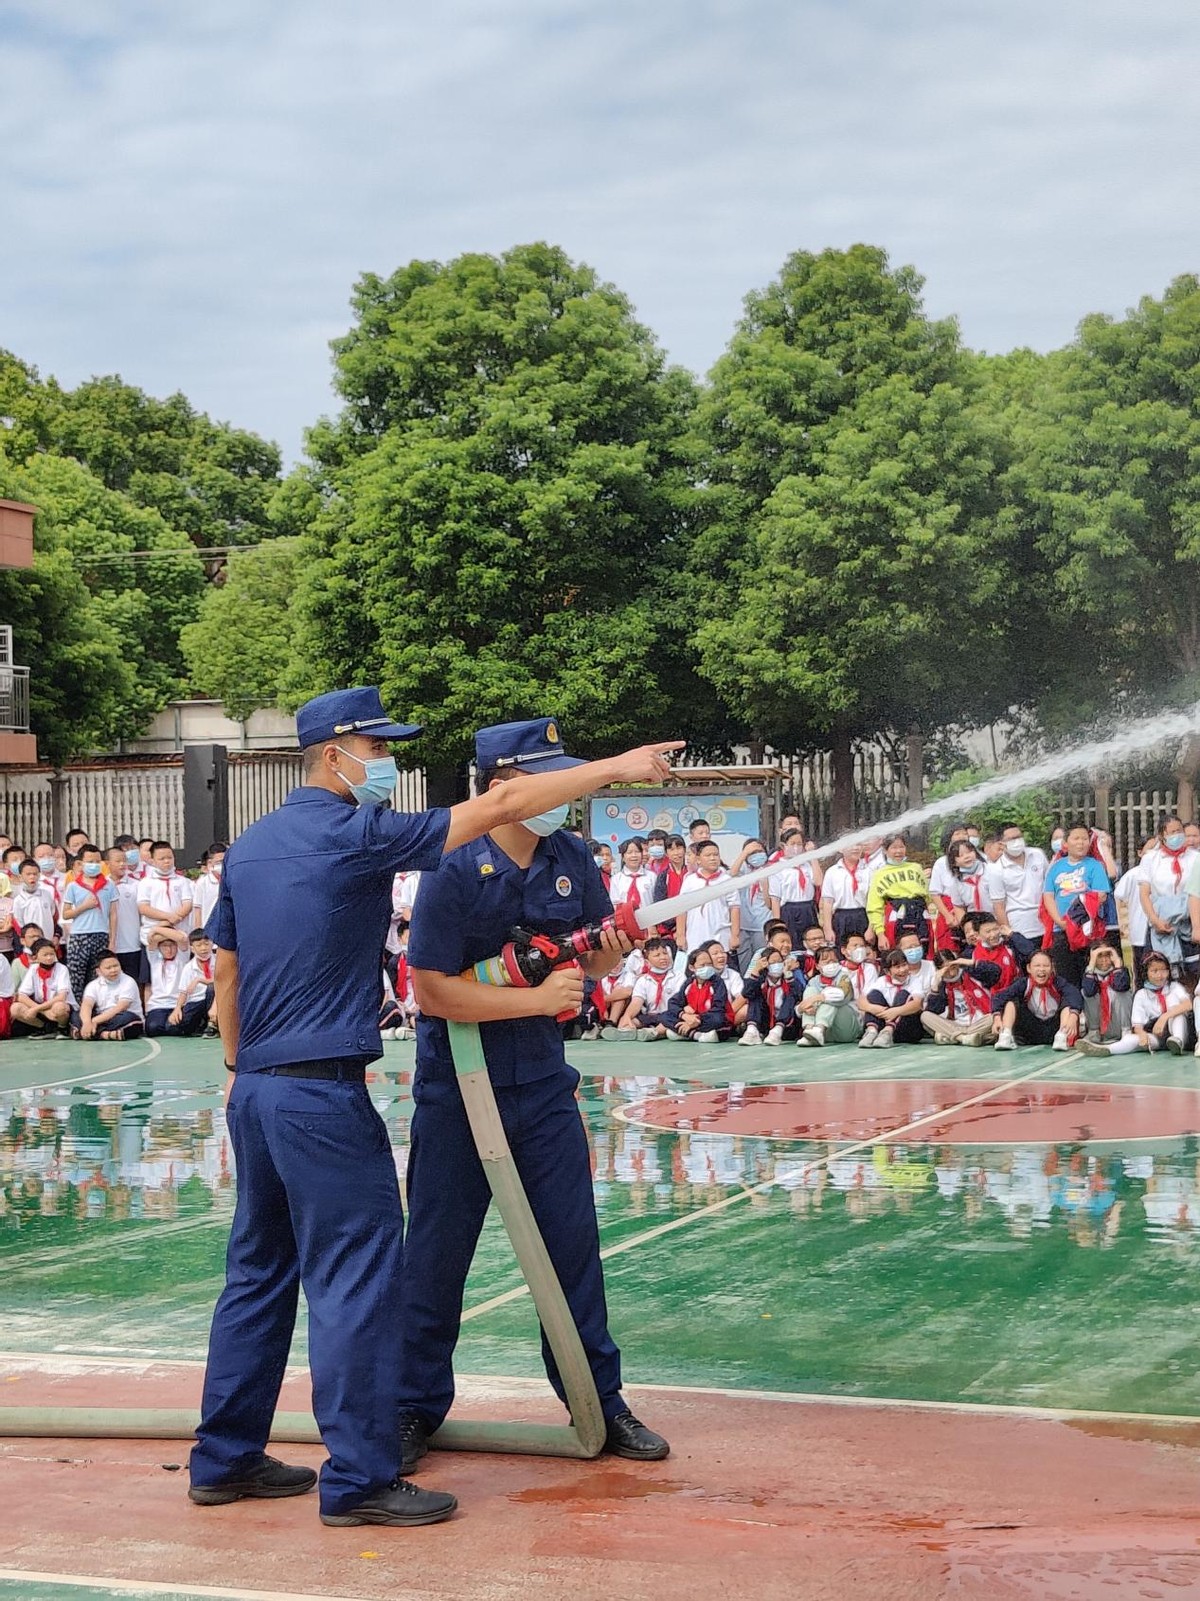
{"x":299,"y":926}
{"x":534,"y":875}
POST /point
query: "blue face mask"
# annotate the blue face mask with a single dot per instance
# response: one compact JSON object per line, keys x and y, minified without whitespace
{"x":704,"y":973}
{"x":757,"y":859}
{"x":380,"y":777}
{"x":547,"y":823}
{"x":1175,"y":842}
{"x":91,"y":869}
{"x":134,"y":858}
{"x":914,"y":958}
{"x":657,"y":852}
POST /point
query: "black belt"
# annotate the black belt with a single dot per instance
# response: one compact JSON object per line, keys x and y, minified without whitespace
{"x":355,"y":1072}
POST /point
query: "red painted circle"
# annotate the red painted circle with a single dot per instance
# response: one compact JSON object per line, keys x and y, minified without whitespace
{"x":866,"y":1109}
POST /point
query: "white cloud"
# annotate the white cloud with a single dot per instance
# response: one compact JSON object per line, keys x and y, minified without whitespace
{"x":189,"y":193}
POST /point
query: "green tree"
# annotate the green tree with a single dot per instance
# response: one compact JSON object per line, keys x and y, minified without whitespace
{"x":237,"y":649}
{"x":861,"y":577}
{"x":504,"y":496}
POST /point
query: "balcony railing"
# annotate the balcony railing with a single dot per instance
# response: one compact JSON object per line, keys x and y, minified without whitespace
{"x":14,"y":700}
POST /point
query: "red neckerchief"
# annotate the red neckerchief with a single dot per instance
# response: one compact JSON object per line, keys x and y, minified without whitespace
{"x":401,"y":976}
{"x":1104,"y":980}
{"x":1161,"y":998}
{"x":1050,"y":989}
{"x":858,"y":979}
{"x":853,"y":872}
{"x":45,"y":975}
{"x":975,"y":998}
{"x":25,"y":959}
{"x":660,"y":984}
{"x":976,"y":884}
{"x":1176,"y":864}
{"x":205,"y":966}
{"x":775,"y":992}
{"x":1002,"y":958}
{"x":633,"y":899}
{"x":92,"y":885}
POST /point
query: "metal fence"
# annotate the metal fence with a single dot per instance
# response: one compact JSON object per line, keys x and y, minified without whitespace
{"x":145,"y":799}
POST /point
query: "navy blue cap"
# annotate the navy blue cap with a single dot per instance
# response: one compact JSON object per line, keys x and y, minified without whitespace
{"x":348,"y":711}
{"x":532,"y":747}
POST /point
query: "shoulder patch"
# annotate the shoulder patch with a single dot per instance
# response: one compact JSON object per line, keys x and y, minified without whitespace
{"x":563,"y":885}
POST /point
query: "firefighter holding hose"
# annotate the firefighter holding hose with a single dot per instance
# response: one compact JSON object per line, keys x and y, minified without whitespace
{"x":534,"y":875}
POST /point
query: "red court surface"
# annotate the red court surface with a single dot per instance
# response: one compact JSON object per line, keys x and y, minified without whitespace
{"x":852,"y":1110}
{"x":783,"y":1499}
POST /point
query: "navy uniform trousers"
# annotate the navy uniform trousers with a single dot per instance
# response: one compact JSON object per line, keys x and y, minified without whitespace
{"x":318,"y":1205}
{"x":448,"y":1198}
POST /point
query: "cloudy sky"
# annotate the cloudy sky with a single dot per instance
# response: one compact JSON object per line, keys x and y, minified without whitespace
{"x":189,"y":191}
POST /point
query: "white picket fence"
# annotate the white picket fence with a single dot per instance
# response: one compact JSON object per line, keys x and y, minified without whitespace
{"x":1132,"y":815}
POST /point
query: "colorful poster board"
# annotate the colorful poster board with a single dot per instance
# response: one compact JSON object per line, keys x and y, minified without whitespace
{"x":733,"y":818}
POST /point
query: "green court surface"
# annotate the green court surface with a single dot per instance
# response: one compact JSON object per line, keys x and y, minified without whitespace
{"x":1054,"y":1270}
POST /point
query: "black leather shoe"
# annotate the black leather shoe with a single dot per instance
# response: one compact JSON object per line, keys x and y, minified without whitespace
{"x":270,"y":1480}
{"x":627,"y":1437}
{"x":414,"y":1442}
{"x":401,"y":1505}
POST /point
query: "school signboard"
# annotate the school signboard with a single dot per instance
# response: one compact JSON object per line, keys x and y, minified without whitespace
{"x":733,"y":818}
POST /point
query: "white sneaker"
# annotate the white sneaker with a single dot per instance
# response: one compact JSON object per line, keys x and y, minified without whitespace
{"x":886,"y":1037}
{"x":1006,"y":1041}
{"x":592,"y":1033}
{"x":751,"y":1036}
{"x":1059,"y":1043}
{"x":814,"y":1034}
{"x":869,"y":1036}
{"x":1174,"y":1045}
{"x":774,"y":1035}
{"x":387,"y":1033}
{"x":709,"y":1037}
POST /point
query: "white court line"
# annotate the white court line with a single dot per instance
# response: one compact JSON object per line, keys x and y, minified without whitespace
{"x":153,"y":1049}
{"x":142,"y":1587}
{"x":745,"y":1192}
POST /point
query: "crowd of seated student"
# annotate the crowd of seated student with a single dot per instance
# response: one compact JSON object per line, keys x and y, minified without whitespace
{"x":1001,"y":943}
{"x":105,"y":944}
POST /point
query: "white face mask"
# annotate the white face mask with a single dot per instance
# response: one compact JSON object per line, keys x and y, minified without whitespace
{"x":829,"y":969}
{"x":547,"y":823}
{"x":1014,"y":847}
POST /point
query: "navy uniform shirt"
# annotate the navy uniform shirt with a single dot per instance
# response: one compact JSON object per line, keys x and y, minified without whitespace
{"x":468,"y":909}
{"x":306,"y":899}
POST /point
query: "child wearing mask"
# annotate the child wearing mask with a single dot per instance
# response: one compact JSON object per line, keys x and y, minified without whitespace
{"x":645,"y":1017}
{"x":1163,"y":874}
{"x":844,"y":891}
{"x":43,"y":1002}
{"x":754,"y":903}
{"x":1107,"y":996}
{"x":1039,"y":1009}
{"x":827,"y":1008}
{"x":669,"y":882}
{"x":898,"y":897}
{"x":135,"y":867}
{"x":958,"y":1007}
{"x":111,"y":1007}
{"x":1016,"y":881}
{"x":656,"y":850}
{"x":772,"y":993}
{"x":164,"y":898}
{"x":892,"y":1014}
{"x":921,"y":971}
{"x":32,"y":900}
{"x":720,"y":918}
{"x":89,"y":914}
{"x":29,"y":935}
{"x":1159,"y":1018}
{"x":859,"y":963}
{"x":794,"y":891}
{"x":208,"y":886}
{"x":968,"y":891}
{"x":1129,"y":893}
{"x":127,"y":934}
{"x":699,"y":1010}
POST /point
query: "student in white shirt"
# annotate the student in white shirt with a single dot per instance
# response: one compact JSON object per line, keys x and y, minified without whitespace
{"x":921,"y":973}
{"x":1016,"y":883}
{"x":33,"y":901}
{"x":1164,"y":873}
{"x":164,"y":1013}
{"x":111,"y":1007}
{"x":208,"y":886}
{"x":632,"y":881}
{"x":645,"y":1016}
{"x":127,"y":937}
{"x":43,"y":1002}
{"x":197,"y":987}
{"x":164,"y":896}
{"x":732,"y":980}
{"x":844,"y":897}
{"x":796,"y":888}
{"x":719,"y":919}
{"x":404,"y":894}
